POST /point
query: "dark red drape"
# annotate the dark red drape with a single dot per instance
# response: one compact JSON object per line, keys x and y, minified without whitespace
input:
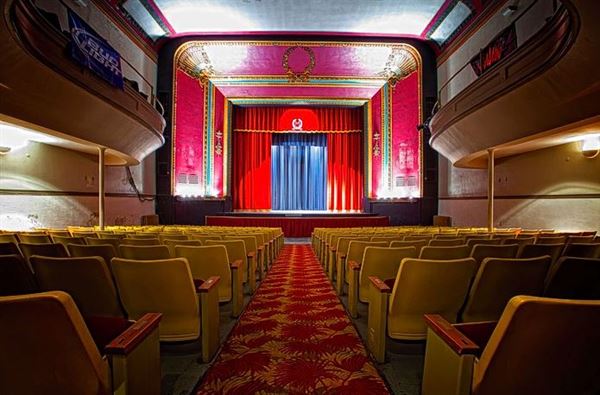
{"x":252,"y":154}
{"x":251,"y":170}
{"x":314,"y":119}
{"x":344,"y":171}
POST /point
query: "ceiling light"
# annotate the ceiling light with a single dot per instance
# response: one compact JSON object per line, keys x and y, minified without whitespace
{"x":14,"y":137}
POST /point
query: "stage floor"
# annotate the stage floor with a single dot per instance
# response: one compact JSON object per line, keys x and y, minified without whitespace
{"x":295,"y":213}
{"x":297,"y":224}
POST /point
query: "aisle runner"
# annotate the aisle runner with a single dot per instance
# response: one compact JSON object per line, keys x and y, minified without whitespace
{"x":294,"y":337}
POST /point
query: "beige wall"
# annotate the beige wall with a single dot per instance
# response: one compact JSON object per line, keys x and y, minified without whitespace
{"x":552,"y":188}
{"x":47,"y":186}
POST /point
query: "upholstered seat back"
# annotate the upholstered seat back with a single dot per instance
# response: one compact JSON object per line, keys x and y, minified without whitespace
{"x":164,"y":286}
{"x":64,"y":240}
{"x":106,"y":251}
{"x":574,"y":278}
{"x":445,"y":252}
{"x":236,"y":250}
{"x":172,"y":243}
{"x":498,"y":280}
{"x":151,"y":252}
{"x":382,"y":262}
{"x":140,"y":241}
{"x":16,"y":277}
{"x":446,"y":242}
{"x":34,"y":238}
{"x":542,"y":346}
{"x":582,"y":250}
{"x":207,"y":261}
{"x":47,"y":349}
{"x":427,"y":287}
{"x":481,"y":251}
{"x":535,"y":250}
{"x":87,"y":279}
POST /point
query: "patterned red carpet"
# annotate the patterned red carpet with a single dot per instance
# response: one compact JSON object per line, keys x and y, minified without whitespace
{"x":293,"y":338}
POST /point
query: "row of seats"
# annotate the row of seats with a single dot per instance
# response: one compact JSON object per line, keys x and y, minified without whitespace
{"x":104,"y":295}
{"x":464,"y":278}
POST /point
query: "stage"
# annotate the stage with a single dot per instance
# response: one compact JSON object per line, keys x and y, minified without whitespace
{"x":297,"y":223}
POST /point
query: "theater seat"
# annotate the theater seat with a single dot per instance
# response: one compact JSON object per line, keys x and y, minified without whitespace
{"x":535,"y":250}
{"x":87,"y":279}
{"x":152,"y":241}
{"x":9,"y":248}
{"x":209,"y":261}
{"x":34,"y":238}
{"x":539,"y":346}
{"x":42,"y":249}
{"x":189,"y":313}
{"x":574,"y":278}
{"x":172,"y":243}
{"x":382,"y":262}
{"x":356,"y":249}
{"x":498,"y":280}
{"x":64,"y":240}
{"x":236,"y":251}
{"x":105,"y":251}
{"x":421,"y":287}
{"x":16,"y":277}
{"x":481,"y":251}
{"x":582,"y":250}
{"x":251,"y":247}
{"x":445,"y":252}
{"x":340,"y":255}
{"x":446,"y":242}
{"x":48,"y":349}
{"x":150,"y":252}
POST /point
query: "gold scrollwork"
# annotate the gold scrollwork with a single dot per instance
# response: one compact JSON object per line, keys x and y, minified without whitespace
{"x":302,"y":76}
{"x":196,"y":63}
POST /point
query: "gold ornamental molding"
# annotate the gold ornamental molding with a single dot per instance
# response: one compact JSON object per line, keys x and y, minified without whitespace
{"x":194,"y":61}
{"x":302,"y":76}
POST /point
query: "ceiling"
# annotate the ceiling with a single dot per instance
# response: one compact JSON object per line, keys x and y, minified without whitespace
{"x":283,"y":69}
{"x":437,"y":20}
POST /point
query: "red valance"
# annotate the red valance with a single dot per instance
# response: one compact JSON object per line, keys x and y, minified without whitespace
{"x":298,"y":119}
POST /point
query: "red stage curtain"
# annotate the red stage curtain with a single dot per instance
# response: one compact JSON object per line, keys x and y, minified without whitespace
{"x":344,"y":171}
{"x":252,"y":170}
{"x":261,"y":119}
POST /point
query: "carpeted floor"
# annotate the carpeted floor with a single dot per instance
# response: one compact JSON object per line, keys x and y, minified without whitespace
{"x":294,"y":337}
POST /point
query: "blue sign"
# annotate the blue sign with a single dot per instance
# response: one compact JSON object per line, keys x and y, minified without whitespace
{"x":93,"y":52}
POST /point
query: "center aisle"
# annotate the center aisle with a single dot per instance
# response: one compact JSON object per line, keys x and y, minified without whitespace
{"x":294,"y":337}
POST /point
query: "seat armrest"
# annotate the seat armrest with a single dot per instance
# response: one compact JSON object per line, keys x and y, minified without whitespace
{"x":208,"y":284}
{"x":128,"y":340}
{"x":237,"y":264}
{"x":354,"y":265}
{"x":478,"y":332}
{"x":341,"y":255}
{"x":379,"y":285}
{"x":453,"y":337}
{"x":332,"y":248}
{"x":251,"y":254}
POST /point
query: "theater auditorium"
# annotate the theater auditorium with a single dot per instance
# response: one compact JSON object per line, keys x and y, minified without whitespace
{"x":299,"y":197}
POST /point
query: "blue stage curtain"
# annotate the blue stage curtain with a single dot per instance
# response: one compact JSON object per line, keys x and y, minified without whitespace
{"x":299,"y":171}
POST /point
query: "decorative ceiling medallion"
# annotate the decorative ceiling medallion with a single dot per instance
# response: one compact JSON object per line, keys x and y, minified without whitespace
{"x":399,"y":65}
{"x":302,"y":76}
{"x":194,"y":61}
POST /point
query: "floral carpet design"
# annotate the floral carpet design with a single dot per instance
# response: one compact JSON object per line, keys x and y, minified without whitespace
{"x":293,"y":338}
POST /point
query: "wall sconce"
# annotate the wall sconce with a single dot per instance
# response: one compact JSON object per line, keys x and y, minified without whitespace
{"x":590,"y":145}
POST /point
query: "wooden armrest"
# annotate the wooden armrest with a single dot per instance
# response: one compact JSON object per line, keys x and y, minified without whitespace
{"x":236,"y":264}
{"x":354,"y":265}
{"x":342,"y":255}
{"x":455,"y":339}
{"x":134,"y":335}
{"x":251,"y":254}
{"x":208,"y":284}
{"x":478,"y":332}
{"x":380,"y":285}
{"x":260,"y":248}
{"x":332,"y":249}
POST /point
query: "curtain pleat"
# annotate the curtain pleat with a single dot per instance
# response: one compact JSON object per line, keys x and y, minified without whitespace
{"x":298,"y":171}
{"x":252,"y":171}
{"x":344,"y":171}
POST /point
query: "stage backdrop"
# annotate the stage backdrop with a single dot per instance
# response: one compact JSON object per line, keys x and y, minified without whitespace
{"x":301,"y":158}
